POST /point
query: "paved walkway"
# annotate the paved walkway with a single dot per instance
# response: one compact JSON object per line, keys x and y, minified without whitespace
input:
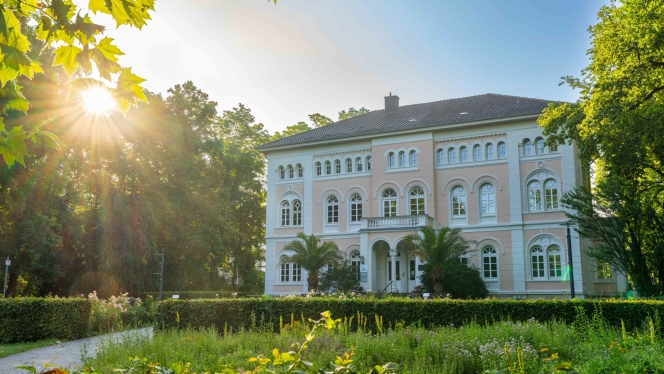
{"x":66,"y":354}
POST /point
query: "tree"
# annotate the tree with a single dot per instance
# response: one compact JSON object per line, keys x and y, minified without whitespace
{"x":312,"y":255}
{"x":81,"y":46}
{"x":438,"y":248}
{"x":291,"y":130}
{"x":616,"y":124}
{"x":341,"y":278}
{"x":319,"y":120}
{"x":352,"y":112}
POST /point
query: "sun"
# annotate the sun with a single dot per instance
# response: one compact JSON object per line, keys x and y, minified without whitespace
{"x":97,"y":100}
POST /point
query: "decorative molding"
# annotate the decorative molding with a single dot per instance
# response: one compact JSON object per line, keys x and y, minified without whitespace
{"x":405,"y":188}
{"x":384,"y":183}
{"x":366,"y":196}
{"x":469,"y":138}
{"x":341,"y":196}
{"x":452,"y":180}
{"x":500,"y":186}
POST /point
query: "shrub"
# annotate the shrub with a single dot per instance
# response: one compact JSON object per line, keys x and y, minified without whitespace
{"x":192,"y":295}
{"x":225,"y":314}
{"x":461,"y":281}
{"x":342,"y":278}
{"x":32,"y":319}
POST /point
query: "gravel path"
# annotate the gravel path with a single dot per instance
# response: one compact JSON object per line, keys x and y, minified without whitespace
{"x":66,"y":354}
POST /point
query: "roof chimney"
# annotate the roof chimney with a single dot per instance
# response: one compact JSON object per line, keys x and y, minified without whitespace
{"x":391,"y":103}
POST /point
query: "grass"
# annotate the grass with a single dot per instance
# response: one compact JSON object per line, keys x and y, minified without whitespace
{"x":589,"y":346}
{"x":12,"y":349}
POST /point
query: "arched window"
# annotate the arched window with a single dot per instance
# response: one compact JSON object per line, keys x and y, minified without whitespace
{"x":332,"y":210}
{"x":328,"y":168}
{"x":282,"y":173}
{"x":552,"y":268}
{"x":358,"y":164}
{"x":477,"y":153}
{"x":487,"y":200}
{"x":489,"y":151}
{"x":458,"y":201}
{"x":416,"y":199}
{"x":285,"y":213}
{"x":464,"y":154}
{"x":451,"y":155}
{"x":527,"y":147}
{"x":537,"y":261}
{"x":502,"y":150}
{"x":355,"y":262}
{"x":489,"y":262}
{"x":551,"y":194}
{"x":413,"y":158}
{"x":290,"y":271}
{"x":291,"y":173}
{"x":389,"y":198}
{"x":337,"y":166}
{"x":402,"y":159}
{"x":300,"y":172}
{"x":368,"y":163}
{"x":440,"y":156}
{"x":391,"y":162}
{"x":534,"y":196}
{"x":555,"y":262}
{"x":349,"y":165}
{"x":297,"y":213}
{"x":318,"y":169}
{"x":355,"y":208}
{"x":539,"y":146}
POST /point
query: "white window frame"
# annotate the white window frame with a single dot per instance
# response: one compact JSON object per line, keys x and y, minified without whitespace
{"x":463,"y":154}
{"x":332,"y":210}
{"x":534,"y":190}
{"x":319,"y":169}
{"x":602,"y":268}
{"x":291,"y":172}
{"x":391,"y":160}
{"x":546,"y":261}
{"x":527,"y":147}
{"x":392,"y":208}
{"x":451,"y":156}
{"x":477,"y":152}
{"x":285,"y":213}
{"x":358,"y":164}
{"x":300,"y":171}
{"x":539,"y":146}
{"x":337,"y":166}
{"x":296,"y":211}
{"x":402,"y":159}
{"x":356,"y":209}
{"x":419,"y":198}
{"x":289,"y":272}
{"x":489,"y":151}
{"x":487,"y":200}
{"x":281,"y":172}
{"x":349,"y":165}
{"x":490,"y":267}
{"x":328,"y":168}
{"x":502,"y":150}
{"x":440,"y":156}
{"x":458,"y":197}
{"x":551,"y":195}
{"x":413,"y":158}
{"x":545,"y":189}
{"x":368,"y":161}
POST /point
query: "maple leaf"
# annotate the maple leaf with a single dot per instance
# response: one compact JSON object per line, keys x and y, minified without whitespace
{"x":66,"y":56}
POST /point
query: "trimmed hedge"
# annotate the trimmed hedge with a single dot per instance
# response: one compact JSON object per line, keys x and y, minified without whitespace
{"x":192,"y":295}
{"x":238,"y":313}
{"x":32,"y":319}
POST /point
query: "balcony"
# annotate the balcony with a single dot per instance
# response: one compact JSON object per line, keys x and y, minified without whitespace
{"x":395,"y":223}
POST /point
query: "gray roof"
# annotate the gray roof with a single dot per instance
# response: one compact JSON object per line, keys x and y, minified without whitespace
{"x":420,"y":116}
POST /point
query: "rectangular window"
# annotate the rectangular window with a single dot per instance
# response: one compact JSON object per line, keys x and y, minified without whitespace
{"x":490,"y":267}
{"x":285,"y":217}
{"x":555,"y":266}
{"x":297,"y":273}
{"x":389,"y":208}
{"x":328,"y":168}
{"x":551,"y":198}
{"x":368,"y":163}
{"x":538,"y":266}
{"x":285,"y":272}
{"x":333,"y":213}
{"x":356,"y":212}
{"x":337,"y":167}
{"x":417,"y":206}
{"x":604,"y":270}
{"x":535,"y":199}
{"x":290,"y":173}
{"x":299,"y":172}
{"x":459,"y":206}
{"x":488,"y":203}
{"x":489,"y":152}
{"x":413,"y":159}
{"x":297,"y":218}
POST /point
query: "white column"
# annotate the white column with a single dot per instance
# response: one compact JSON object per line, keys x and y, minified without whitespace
{"x":393,"y":265}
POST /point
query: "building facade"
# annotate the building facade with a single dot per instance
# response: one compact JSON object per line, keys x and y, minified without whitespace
{"x":478,"y":163}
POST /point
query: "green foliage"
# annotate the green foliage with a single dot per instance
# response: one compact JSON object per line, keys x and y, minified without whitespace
{"x":81,"y":45}
{"x":312,"y":255}
{"x":237,"y":313}
{"x":589,"y":345}
{"x":461,"y":281}
{"x":32,"y":319}
{"x":352,"y":112}
{"x":340,"y":278}
{"x":438,"y":248}
{"x":617,"y":124}
{"x":192,"y":295}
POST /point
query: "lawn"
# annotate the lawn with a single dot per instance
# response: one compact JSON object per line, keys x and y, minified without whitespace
{"x":12,"y":349}
{"x":589,"y":346}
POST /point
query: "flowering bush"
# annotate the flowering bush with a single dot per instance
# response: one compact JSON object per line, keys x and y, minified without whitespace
{"x":117,"y":312}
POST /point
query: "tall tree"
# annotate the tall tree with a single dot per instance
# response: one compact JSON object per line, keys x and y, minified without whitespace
{"x":616,"y":124}
{"x":438,"y":248}
{"x":352,"y":112}
{"x":312,"y":255}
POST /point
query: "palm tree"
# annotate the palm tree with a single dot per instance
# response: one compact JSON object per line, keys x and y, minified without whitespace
{"x":437,"y":248}
{"x":312,"y":255}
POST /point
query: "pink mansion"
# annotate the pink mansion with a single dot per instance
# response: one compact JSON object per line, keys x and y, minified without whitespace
{"x":478,"y":163}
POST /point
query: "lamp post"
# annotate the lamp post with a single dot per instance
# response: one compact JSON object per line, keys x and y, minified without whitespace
{"x":161,"y":273}
{"x":4,"y":289}
{"x":570,"y":269}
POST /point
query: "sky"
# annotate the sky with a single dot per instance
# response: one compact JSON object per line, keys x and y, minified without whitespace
{"x":299,"y":57}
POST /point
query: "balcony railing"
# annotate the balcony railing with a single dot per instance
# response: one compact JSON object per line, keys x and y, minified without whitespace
{"x":396,"y":222}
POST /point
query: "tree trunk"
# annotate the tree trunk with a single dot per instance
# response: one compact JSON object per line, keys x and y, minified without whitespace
{"x":312,"y":281}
